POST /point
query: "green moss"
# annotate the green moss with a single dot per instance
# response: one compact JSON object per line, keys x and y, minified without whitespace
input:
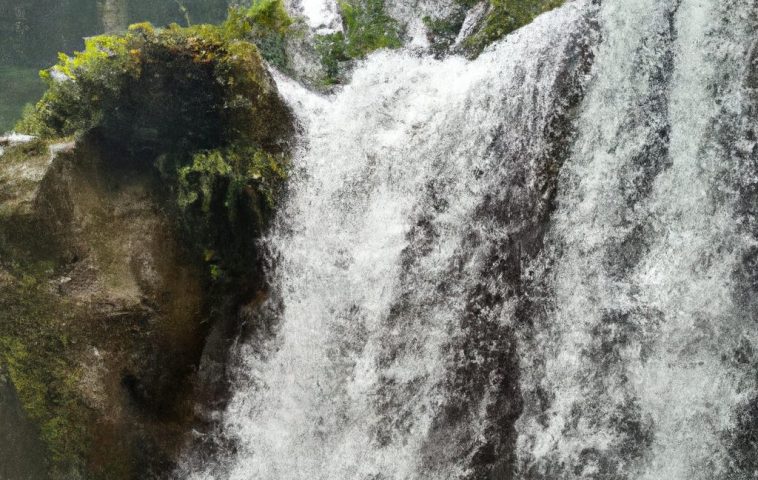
{"x":195,"y":109}
{"x":266,"y":24}
{"x":172,"y":93}
{"x":251,"y":168}
{"x":227,"y":199}
{"x":80,"y":85}
{"x":504,"y":17}
{"x":332,"y":49}
{"x":35,"y":348}
{"x":367,"y":28}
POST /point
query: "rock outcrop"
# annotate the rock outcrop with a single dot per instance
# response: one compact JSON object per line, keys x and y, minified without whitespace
{"x":127,"y":245}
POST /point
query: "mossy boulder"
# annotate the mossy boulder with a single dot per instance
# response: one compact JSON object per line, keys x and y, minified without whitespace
{"x":195,"y":105}
{"x":128,"y":234}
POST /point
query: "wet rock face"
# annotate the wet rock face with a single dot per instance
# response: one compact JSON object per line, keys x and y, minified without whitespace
{"x":106,"y":304}
{"x":125,"y":301}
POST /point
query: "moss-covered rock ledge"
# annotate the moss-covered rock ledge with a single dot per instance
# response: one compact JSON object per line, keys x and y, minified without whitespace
{"x":127,"y":239}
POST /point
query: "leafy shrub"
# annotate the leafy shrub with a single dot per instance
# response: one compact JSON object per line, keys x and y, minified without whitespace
{"x":178,"y":88}
{"x":226,"y":196}
{"x":368,"y":27}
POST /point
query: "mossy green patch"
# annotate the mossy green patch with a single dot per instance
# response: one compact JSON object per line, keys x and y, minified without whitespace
{"x":367,"y":28}
{"x":251,"y":168}
{"x":266,"y":24}
{"x":227,"y":197}
{"x":178,"y":89}
{"x":36,"y":340}
{"x":172,"y":94}
{"x":442,"y":32}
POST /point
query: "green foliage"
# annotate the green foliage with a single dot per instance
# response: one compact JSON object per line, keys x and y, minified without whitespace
{"x":242,"y":168}
{"x":332,"y":49}
{"x":366,"y":28}
{"x":230,"y":192}
{"x":31,"y":121}
{"x":269,"y":14}
{"x":504,"y":17}
{"x":197,"y":180}
{"x":80,"y":86}
{"x":266,"y":24}
{"x":83,"y":88}
{"x":190,"y":84}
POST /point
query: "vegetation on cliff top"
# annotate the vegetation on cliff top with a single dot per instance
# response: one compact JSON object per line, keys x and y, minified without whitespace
{"x":186,"y":88}
{"x":504,"y":17}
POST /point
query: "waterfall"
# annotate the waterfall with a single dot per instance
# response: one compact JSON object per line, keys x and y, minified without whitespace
{"x":637,"y":349}
{"x":540,"y":264}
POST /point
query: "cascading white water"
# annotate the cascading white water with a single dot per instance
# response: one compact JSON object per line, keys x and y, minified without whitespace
{"x":444,"y":314}
{"x":639,"y":342}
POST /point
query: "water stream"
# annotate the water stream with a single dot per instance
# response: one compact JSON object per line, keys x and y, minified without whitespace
{"x":540,"y":264}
